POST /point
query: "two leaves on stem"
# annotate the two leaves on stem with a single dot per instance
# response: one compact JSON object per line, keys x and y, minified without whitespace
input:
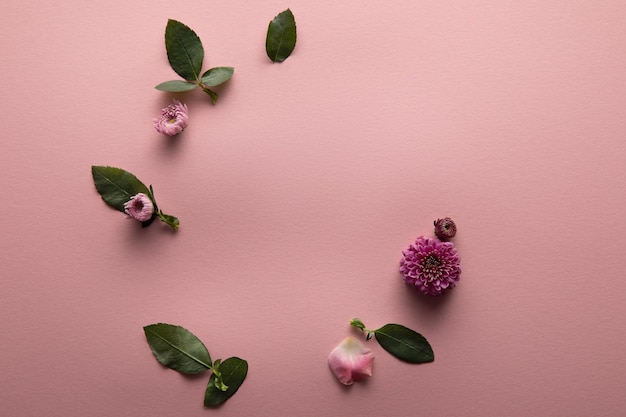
{"x":180,"y":350}
{"x":186,"y":54}
{"x":117,"y":186}
{"x":402,"y":342}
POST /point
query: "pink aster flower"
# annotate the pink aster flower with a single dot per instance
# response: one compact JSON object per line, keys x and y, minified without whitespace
{"x":445,"y":228}
{"x":431,"y":265}
{"x":173,"y":119}
{"x":351,"y":361}
{"x":139,"y":207}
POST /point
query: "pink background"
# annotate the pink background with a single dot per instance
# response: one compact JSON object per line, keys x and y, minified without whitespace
{"x":297,"y":193}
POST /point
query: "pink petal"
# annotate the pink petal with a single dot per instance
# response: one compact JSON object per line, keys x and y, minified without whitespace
{"x":139,"y":207}
{"x":350,"y":361}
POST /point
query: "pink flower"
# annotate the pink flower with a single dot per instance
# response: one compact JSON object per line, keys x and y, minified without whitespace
{"x":432,"y":266}
{"x":173,"y":119}
{"x":139,"y":207}
{"x":350,"y":361}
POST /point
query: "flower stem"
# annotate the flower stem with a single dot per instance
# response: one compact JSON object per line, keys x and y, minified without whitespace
{"x":356,"y":322}
{"x":218,"y":381}
{"x":171,"y":221}
{"x":210,"y":92}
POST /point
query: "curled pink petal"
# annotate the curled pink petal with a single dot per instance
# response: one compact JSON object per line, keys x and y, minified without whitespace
{"x":173,"y":119}
{"x":139,"y":207}
{"x":351,"y":361}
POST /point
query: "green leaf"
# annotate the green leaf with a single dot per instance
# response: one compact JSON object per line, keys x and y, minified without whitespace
{"x":404,"y":343}
{"x":216,"y":76}
{"x":184,"y":50}
{"x":233,"y":372}
{"x":176,"y":86}
{"x":117,"y":186}
{"x":177,"y":348}
{"x":281,"y":36}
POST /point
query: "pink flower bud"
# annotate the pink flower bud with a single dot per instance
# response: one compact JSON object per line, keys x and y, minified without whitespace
{"x":139,"y":207}
{"x":445,"y":228}
{"x":350,"y":361}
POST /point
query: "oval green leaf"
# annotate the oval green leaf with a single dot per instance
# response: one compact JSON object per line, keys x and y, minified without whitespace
{"x":177,"y":348}
{"x":184,"y":50}
{"x":176,"y":86}
{"x":117,"y":186}
{"x":234,"y":371}
{"x":216,"y":76}
{"x":404,"y":343}
{"x":281,"y":36}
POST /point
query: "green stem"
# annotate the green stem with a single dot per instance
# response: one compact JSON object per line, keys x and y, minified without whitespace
{"x":171,"y":221}
{"x":218,"y":382}
{"x":210,"y":92}
{"x":356,"y":322}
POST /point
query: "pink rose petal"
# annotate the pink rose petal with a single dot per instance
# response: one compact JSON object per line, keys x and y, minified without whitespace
{"x":351,"y":361}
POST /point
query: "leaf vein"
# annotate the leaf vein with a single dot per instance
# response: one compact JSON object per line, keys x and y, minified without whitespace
{"x":115,"y":185}
{"x":180,"y":350}
{"x":190,"y":61}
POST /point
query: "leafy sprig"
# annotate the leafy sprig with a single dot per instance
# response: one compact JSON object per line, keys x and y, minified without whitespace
{"x":180,"y":350}
{"x":402,"y":342}
{"x":185,"y":54}
{"x":117,"y":186}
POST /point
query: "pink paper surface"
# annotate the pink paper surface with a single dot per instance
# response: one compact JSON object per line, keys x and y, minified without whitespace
{"x":297,"y":193}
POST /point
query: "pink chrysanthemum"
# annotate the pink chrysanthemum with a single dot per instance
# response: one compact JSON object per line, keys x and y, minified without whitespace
{"x":173,"y":119}
{"x":139,"y":207}
{"x":430,"y":265}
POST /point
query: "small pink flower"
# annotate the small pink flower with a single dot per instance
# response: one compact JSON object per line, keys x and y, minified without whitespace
{"x":350,"y":361}
{"x":173,"y":119}
{"x":139,"y":207}
{"x":432,"y":266}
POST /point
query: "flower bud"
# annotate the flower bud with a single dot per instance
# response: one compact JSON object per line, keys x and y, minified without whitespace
{"x":445,"y":228}
{"x":139,"y":207}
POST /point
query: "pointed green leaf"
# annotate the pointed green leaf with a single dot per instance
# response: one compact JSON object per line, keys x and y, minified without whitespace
{"x":233,"y":371}
{"x":176,"y":86}
{"x":404,"y":343}
{"x":177,"y":348}
{"x":184,"y":50}
{"x":217,"y":76}
{"x":117,"y":186}
{"x":281,"y":36}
